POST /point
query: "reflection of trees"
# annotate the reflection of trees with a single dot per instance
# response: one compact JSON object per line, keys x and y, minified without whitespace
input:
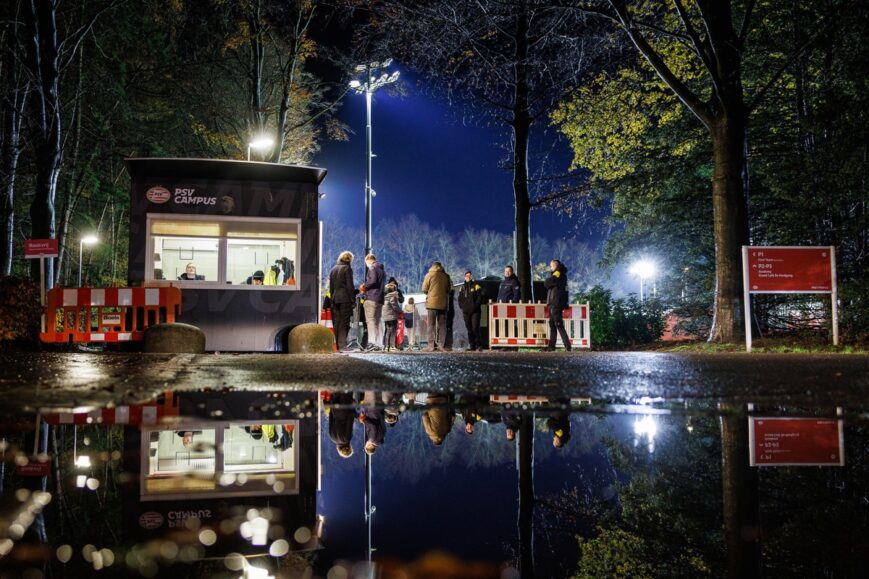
{"x":815,"y":521}
{"x":409,"y":455}
{"x":668,"y":510}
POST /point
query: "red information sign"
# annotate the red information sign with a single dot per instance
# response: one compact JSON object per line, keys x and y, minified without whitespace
{"x":35,"y":248}
{"x":795,"y":442}
{"x":35,"y":467}
{"x":790,"y":269}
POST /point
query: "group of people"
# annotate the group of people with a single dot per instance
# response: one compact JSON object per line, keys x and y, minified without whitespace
{"x":438,"y":418}
{"x":282,"y":272}
{"x":382,"y":302}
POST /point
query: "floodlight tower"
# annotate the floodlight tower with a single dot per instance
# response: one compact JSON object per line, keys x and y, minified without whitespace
{"x":644,"y":269}
{"x":370,"y":83}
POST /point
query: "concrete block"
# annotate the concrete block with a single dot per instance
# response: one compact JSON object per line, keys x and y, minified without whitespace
{"x":174,"y":339}
{"x":311,"y":339}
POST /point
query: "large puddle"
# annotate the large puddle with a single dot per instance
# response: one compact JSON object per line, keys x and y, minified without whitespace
{"x":396,"y":485}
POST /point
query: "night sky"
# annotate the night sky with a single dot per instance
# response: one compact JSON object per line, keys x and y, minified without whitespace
{"x":429,"y":163}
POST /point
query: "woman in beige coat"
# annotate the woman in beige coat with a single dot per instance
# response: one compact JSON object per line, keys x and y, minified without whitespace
{"x":436,"y":287}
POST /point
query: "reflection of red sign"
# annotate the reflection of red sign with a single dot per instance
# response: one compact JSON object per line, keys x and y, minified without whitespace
{"x":796,"y":441}
{"x":34,"y":248}
{"x":34,"y":467}
{"x":790,"y":269}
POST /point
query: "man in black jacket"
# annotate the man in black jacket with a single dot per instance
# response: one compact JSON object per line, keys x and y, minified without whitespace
{"x":470,"y":302}
{"x":342,"y":292}
{"x":556,"y":299}
{"x":508,"y":291}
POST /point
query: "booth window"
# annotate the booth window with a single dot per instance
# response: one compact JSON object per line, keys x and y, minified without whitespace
{"x":231,"y":251}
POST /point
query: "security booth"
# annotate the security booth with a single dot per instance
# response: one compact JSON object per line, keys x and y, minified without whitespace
{"x":241,"y":239}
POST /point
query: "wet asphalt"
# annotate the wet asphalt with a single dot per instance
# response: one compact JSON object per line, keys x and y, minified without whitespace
{"x":29,"y":381}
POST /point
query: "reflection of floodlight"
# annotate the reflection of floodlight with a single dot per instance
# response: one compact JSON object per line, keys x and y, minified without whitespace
{"x":646,"y":428}
{"x":355,"y":83}
{"x":83,"y":461}
{"x":259,"y":143}
{"x":643,"y":269}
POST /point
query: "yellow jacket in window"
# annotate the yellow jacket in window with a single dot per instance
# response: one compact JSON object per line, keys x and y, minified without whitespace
{"x":271,"y":277}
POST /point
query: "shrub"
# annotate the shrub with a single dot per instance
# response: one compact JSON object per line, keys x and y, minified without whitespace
{"x":20,"y":312}
{"x":622,"y":322}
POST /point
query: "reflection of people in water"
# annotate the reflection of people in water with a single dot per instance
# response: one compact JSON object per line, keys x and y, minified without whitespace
{"x":341,"y":422}
{"x":511,"y":421}
{"x":559,"y":425}
{"x":375,"y":429}
{"x":393,"y":409}
{"x":437,"y":419}
{"x":473,"y":411}
{"x":187,"y":437}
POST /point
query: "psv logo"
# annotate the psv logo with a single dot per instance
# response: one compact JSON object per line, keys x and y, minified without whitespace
{"x":158,"y":195}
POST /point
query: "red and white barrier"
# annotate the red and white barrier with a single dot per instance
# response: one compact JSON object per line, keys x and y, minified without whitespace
{"x":326,"y":319}
{"x":527,"y":325}
{"x":107,"y":314}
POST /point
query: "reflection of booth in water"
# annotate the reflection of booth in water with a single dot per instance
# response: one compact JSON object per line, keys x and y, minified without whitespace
{"x":250,"y":232}
{"x":223,"y":455}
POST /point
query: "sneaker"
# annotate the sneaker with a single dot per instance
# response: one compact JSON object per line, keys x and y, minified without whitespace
{"x":373,"y":348}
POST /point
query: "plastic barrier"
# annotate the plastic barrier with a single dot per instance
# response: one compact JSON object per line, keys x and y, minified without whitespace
{"x":108,"y":314}
{"x":134,"y":414}
{"x":527,"y":325}
{"x":326,"y":319}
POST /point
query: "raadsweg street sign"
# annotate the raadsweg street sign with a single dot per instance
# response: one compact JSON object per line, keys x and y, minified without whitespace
{"x":36,"y":248}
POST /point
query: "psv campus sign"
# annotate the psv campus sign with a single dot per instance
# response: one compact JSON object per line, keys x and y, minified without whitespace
{"x":788,"y":270}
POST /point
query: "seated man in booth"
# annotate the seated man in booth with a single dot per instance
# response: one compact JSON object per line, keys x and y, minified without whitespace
{"x":190,"y":274}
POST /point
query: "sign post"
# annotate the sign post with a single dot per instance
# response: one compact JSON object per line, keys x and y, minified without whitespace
{"x":789,"y":270}
{"x":41,"y":249}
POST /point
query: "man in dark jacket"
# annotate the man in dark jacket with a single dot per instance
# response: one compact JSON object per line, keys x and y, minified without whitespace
{"x":342,"y":416}
{"x":470,"y":301}
{"x":374,"y":290}
{"x":556,"y":299}
{"x":342,"y":292}
{"x":508,"y":291}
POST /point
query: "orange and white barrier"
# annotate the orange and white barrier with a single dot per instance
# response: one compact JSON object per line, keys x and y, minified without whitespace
{"x":107,"y":314}
{"x":527,"y":325}
{"x":514,"y":399}
{"x":134,"y":414}
{"x":326,"y":319}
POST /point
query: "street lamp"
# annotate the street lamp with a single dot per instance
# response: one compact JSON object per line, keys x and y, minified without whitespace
{"x":643,"y":269}
{"x":86,"y":240}
{"x":370,"y":83}
{"x":259,"y":143}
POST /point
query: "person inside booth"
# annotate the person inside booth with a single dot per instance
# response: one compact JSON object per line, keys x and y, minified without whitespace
{"x":190,"y":274}
{"x":257,"y":278}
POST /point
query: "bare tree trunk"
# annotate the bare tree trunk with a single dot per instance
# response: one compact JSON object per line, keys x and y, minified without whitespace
{"x":739,"y":489}
{"x":257,"y":58}
{"x":526,"y":497}
{"x":43,"y":64}
{"x":10,"y":149}
{"x":730,"y":226}
{"x":521,"y":123}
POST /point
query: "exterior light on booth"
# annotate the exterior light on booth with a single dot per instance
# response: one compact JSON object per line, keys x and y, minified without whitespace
{"x":86,"y":240}
{"x":644,"y":269}
{"x":259,"y":143}
{"x":367,"y":86}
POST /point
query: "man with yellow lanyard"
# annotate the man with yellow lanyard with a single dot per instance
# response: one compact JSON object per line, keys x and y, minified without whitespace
{"x":556,"y":299}
{"x":470,"y":302}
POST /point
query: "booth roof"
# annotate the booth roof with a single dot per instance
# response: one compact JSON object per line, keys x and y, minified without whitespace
{"x":223,"y":169}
